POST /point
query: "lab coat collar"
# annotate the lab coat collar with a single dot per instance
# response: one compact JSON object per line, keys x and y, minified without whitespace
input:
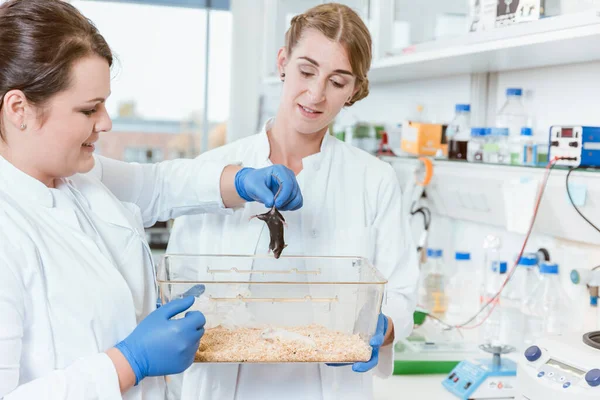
{"x":264,"y":148}
{"x":23,"y":187}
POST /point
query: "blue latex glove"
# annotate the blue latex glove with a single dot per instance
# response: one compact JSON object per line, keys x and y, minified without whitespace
{"x":160,"y":346}
{"x":376,"y":343}
{"x":262,"y":185}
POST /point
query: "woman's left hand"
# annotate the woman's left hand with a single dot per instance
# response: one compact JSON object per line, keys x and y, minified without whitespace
{"x":274,"y":185}
{"x":376,"y":342}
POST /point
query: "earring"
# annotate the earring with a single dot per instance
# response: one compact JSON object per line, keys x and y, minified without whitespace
{"x":23,"y":126}
{"x":282,"y":76}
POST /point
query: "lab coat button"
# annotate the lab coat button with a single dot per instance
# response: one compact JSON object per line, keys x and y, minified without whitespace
{"x":314,"y":233}
{"x":317,"y":166}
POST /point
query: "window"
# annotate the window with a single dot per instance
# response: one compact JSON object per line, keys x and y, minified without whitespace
{"x":159,"y":77}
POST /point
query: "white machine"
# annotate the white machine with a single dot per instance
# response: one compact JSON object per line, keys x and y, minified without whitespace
{"x":561,"y":368}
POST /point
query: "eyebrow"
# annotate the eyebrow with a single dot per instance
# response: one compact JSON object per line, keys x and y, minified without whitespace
{"x":316,"y":64}
{"x":99,"y":99}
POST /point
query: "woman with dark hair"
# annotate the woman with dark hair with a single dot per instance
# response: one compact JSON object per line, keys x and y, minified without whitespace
{"x":78,"y":317}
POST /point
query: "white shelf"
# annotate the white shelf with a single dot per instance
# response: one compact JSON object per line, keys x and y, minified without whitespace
{"x":486,"y":194}
{"x":551,"y":41}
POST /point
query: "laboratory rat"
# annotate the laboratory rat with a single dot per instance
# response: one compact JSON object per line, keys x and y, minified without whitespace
{"x":275,"y":223}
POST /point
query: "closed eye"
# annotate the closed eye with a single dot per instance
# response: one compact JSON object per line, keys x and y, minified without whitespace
{"x":306,"y":74}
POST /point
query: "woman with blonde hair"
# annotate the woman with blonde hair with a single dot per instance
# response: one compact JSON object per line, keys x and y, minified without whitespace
{"x":352,"y":206}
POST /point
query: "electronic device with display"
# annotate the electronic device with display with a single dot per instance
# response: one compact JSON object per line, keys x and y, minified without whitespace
{"x":580,"y":144}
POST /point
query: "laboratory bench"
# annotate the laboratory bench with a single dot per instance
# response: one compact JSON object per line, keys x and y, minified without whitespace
{"x":422,"y":387}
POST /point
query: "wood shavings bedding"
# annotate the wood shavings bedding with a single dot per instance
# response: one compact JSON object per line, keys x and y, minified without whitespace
{"x":311,"y":343}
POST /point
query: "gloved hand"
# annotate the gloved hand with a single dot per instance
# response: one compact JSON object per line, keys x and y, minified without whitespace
{"x":376,"y":343}
{"x":160,"y":346}
{"x":263,"y":184}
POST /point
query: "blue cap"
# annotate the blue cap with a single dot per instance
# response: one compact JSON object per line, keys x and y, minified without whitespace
{"x":502,"y":264}
{"x":528,"y":260}
{"x":462,"y":107}
{"x":435,"y":253}
{"x":478,"y":132}
{"x":514,"y":92}
{"x":462,"y":256}
{"x":548,"y":268}
{"x":497,"y":131}
{"x":525,"y":131}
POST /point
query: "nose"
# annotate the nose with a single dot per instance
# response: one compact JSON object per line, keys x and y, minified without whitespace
{"x":316,"y":91}
{"x":104,"y":123}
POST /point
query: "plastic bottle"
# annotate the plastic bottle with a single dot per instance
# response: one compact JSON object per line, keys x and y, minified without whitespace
{"x":432,"y":292}
{"x":547,"y":308}
{"x":492,"y":327}
{"x":476,"y":143}
{"x":525,"y":277}
{"x":522,"y":148}
{"x":462,"y":291}
{"x":495,"y":150}
{"x":513,"y":114}
{"x":458,"y":132}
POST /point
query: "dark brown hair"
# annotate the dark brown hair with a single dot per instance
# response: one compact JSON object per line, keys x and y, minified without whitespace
{"x":341,"y":24}
{"x":40,"y":40}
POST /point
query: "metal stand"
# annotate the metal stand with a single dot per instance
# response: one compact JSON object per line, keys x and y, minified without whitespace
{"x":496,"y":351}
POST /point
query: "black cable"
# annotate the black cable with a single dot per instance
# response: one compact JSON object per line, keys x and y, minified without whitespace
{"x":573,"y":203}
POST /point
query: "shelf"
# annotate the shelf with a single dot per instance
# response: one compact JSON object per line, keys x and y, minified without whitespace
{"x":567,"y":39}
{"x":503,"y":196}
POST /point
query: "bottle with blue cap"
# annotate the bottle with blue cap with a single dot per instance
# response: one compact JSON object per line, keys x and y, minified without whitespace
{"x":459,"y":132}
{"x":432,"y":293}
{"x":495,"y":151}
{"x":494,"y":327}
{"x":513,"y":114}
{"x":548,"y":308}
{"x":462,"y":291}
{"x":476,"y":144}
{"x":522,"y":148}
{"x":516,"y":291}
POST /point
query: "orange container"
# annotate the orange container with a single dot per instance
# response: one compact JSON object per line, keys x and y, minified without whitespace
{"x":424,"y":139}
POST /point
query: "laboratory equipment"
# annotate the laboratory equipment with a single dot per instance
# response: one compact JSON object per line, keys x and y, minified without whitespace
{"x":581,"y":144}
{"x":476,"y":144}
{"x":432,"y":291}
{"x":561,"y":367}
{"x":291,"y":309}
{"x":495,"y":150}
{"x":513,"y":115}
{"x":547,"y":308}
{"x":484,"y":378}
{"x":590,"y":278}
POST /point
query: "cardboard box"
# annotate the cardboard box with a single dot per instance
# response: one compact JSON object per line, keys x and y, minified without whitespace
{"x":424,"y":139}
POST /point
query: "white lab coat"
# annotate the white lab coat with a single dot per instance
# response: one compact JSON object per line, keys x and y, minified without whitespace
{"x":352,"y":206}
{"x":67,"y":297}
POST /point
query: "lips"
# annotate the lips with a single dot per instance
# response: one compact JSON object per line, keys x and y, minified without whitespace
{"x":309,"y":112}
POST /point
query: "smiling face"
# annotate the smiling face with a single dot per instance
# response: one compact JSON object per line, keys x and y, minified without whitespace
{"x":318,"y":82}
{"x":59,"y":138}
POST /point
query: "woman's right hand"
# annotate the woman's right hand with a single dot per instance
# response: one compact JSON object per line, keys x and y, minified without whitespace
{"x":161,"y":346}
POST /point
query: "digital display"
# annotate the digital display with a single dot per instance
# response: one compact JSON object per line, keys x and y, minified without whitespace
{"x":566,"y":368}
{"x":566,"y":132}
